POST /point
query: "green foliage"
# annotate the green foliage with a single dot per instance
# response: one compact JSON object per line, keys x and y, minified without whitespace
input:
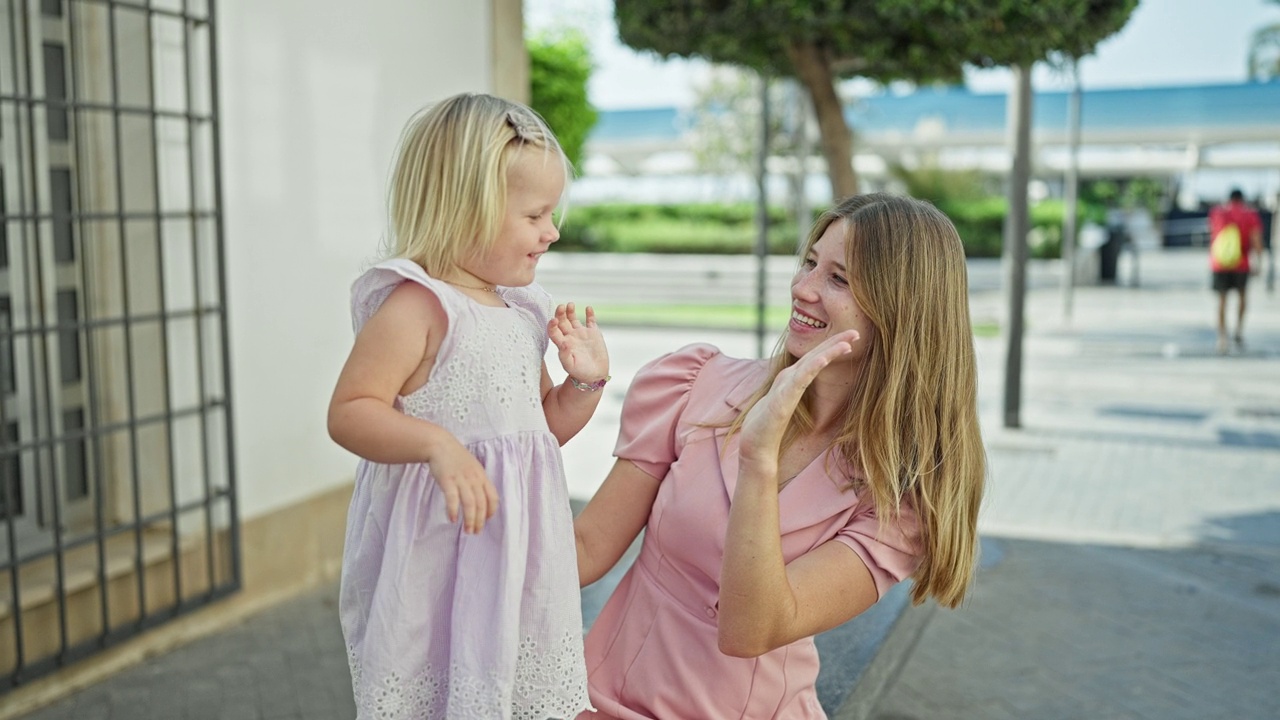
{"x":1007,"y":33}
{"x":882,"y":40}
{"x":1100,"y":195}
{"x":981,"y":226}
{"x":940,"y":186}
{"x":919,"y":40}
{"x":683,"y":228}
{"x":730,"y":228}
{"x":1264,"y":52}
{"x":559,"y":68}
{"x":724,"y":121}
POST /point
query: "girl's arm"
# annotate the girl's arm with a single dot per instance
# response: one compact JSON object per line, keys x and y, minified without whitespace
{"x":585,"y":358}
{"x":612,"y":519}
{"x":392,"y":355}
{"x":766,"y":603}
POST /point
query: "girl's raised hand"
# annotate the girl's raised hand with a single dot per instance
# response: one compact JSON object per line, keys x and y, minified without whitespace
{"x":581,"y":345}
{"x":467,"y":489}
{"x":766,"y":422}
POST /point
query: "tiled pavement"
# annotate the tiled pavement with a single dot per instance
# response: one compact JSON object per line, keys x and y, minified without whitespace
{"x":1132,"y":535}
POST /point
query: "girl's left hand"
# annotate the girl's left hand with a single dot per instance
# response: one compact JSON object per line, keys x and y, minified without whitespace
{"x":582,"y":351}
{"x":765,"y":423}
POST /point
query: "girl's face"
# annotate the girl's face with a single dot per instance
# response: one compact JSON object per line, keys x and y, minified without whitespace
{"x":535,"y":182}
{"x":822,"y":303}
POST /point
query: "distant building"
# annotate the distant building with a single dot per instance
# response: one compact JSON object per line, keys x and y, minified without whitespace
{"x":1207,"y":138}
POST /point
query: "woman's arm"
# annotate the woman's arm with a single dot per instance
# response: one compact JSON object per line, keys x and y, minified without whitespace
{"x":766,"y":603}
{"x":583,"y":354}
{"x":612,"y":519}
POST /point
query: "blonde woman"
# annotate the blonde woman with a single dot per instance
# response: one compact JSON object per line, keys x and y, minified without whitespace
{"x":459,"y":595}
{"x":782,"y":498}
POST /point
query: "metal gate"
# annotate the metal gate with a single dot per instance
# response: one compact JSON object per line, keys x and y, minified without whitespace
{"x":117,"y":490}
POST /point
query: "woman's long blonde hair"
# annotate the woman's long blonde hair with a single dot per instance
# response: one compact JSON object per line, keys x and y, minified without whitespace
{"x":448,"y":191}
{"x":911,"y":426}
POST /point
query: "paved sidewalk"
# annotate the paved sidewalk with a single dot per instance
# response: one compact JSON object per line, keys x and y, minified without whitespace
{"x":1132,"y":554}
{"x":1131,"y":564}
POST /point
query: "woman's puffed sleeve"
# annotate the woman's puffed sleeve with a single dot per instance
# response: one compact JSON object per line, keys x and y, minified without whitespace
{"x":889,"y":550}
{"x":654,"y":405}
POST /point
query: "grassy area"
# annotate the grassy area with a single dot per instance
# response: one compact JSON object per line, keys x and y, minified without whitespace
{"x":729,"y":317}
{"x":719,"y":317}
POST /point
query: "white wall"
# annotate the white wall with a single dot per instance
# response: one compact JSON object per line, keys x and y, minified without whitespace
{"x":313,"y":96}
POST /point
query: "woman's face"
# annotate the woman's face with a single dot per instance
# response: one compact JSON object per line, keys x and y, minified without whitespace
{"x":821,"y":302}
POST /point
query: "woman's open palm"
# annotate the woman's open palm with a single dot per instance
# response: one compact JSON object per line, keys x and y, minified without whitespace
{"x":767,"y":420}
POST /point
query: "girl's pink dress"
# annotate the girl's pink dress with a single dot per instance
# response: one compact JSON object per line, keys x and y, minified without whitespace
{"x":439,"y":624}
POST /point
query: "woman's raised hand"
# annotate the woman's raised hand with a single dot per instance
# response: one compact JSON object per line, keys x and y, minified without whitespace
{"x":766,"y":422}
{"x":582,"y":351}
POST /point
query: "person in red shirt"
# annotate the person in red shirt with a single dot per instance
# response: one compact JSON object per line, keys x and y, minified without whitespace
{"x":1225,"y":279}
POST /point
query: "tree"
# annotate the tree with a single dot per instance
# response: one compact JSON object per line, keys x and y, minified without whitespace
{"x":724,"y":121}
{"x":1264,"y":52}
{"x":559,"y":68}
{"x":815,"y":42}
{"x":820,"y":41}
{"x":1023,"y":34}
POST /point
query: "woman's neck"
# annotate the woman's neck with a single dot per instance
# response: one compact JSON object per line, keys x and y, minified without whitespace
{"x":830,"y":395}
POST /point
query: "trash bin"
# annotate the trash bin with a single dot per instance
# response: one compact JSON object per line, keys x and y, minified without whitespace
{"x":1109,"y":254}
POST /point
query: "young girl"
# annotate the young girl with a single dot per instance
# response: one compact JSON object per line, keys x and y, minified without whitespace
{"x":459,"y":594}
{"x":782,"y":498}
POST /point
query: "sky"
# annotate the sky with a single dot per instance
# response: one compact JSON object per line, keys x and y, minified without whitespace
{"x":1166,"y":42}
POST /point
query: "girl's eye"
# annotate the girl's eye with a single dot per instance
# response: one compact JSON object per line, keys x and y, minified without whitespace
{"x":839,"y":280}
{"x":808,"y":264}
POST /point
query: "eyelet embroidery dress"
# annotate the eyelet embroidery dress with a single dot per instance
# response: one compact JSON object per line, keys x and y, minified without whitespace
{"x":439,"y":624}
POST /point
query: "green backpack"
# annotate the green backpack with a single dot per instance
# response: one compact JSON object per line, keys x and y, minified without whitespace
{"x":1226,"y":249}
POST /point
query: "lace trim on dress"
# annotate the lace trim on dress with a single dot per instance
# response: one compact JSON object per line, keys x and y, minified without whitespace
{"x":549,"y":683}
{"x":456,"y":387}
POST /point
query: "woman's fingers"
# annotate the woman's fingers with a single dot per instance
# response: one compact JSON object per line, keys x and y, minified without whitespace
{"x":802,"y":373}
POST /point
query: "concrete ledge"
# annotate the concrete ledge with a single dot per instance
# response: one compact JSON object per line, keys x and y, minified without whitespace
{"x":861,"y":658}
{"x":285,"y":552}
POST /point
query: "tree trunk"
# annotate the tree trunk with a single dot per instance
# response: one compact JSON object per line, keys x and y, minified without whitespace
{"x":1015,"y":240}
{"x":1070,"y":192}
{"x":813,"y":69}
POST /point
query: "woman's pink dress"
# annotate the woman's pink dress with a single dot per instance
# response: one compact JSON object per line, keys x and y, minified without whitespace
{"x":439,"y":624}
{"x":652,"y":652}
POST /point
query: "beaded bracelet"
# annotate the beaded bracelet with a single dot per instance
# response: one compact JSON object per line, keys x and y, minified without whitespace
{"x":589,"y":387}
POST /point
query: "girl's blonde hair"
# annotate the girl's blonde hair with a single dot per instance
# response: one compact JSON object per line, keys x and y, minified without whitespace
{"x":911,"y":426}
{"x":448,"y":190}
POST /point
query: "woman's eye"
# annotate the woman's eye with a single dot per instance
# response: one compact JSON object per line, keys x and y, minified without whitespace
{"x":839,"y":280}
{"x":808,"y":264}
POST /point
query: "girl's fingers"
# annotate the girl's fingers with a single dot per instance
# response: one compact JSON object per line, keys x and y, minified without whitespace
{"x":472,"y":511}
{"x":591,"y":317}
{"x":492,"y":493}
{"x":451,"y":502}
